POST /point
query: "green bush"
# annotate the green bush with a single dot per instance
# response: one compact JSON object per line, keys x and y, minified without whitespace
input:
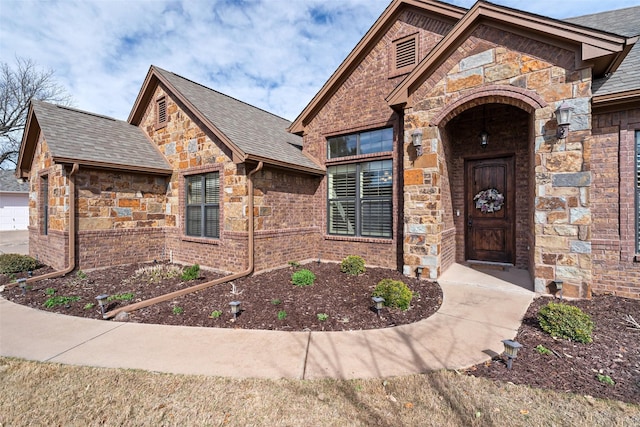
{"x":303,"y":277}
{"x":16,"y":263}
{"x":191,"y":273}
{"x":353,"y":264}
{"x":394,"y":292}
{"x":566,"y":321}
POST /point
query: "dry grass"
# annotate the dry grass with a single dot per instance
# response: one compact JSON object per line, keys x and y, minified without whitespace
{"x":50,"y":394}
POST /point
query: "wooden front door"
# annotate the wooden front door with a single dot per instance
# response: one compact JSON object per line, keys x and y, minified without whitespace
{"x":489,"y":233}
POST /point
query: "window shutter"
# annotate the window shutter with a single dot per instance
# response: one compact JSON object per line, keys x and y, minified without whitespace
{"x":405,"y":53}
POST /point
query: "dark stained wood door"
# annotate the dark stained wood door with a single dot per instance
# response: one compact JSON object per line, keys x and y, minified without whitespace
{"x":489,"y":233}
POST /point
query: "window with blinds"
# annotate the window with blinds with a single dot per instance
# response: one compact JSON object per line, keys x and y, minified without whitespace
{"x":638,"y":191}
{"x":203,"y":205}
{"x":360,"y":200}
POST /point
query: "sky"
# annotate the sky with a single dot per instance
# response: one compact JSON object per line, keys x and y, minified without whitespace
{"x":274,"y":54}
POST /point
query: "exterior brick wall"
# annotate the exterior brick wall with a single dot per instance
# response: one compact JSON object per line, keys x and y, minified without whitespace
{"x":51,"y":249}
{"x":99,"y":248}
{"x":615,"y":269}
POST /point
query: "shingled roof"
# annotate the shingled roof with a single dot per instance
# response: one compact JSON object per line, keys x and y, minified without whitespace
{"x":624,"y":22}
{"x":9,"y":183}
{"x":76,"y":136}
{"x":251,"y":133}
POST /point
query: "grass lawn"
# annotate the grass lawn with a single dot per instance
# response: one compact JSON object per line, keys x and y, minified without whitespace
{"x":36,"y":393}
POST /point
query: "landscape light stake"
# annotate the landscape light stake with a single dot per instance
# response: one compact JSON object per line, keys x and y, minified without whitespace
{"x":379,"y":302}
{"x":511,"y":351}
{"x":30,"y":273}
{"x":419,"y":272}
{"x":558,"y":284}
{"x":235,"y":308}
{"x":102,"y":302}
{"x":23,"y":285}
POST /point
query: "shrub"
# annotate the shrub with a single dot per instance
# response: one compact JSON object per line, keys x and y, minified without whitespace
{"x":59,"y":300}
{"x":282,"y":315}
{"x":303,"y":277}
{"x":353,"y":264}
{"x":191,"y":273}
{"x":16,"y":263}
{"x":566,"y":321}
{"x":395,"y":293}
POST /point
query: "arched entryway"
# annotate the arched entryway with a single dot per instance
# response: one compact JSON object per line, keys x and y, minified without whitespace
{"x":491,"y":185}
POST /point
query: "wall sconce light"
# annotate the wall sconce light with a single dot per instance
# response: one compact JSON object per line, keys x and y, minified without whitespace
{"x":419,"y":271}
{"x":416,"y":138}
{"x":102,"y":302}
{"x":379,"y":302}
{"x":484,"y":139}
{"x":563,"y":116}
{"x":235,"y":308}
{"x":511,"y":351}
{"x":23,"y":285}
{"x":558,"y":284}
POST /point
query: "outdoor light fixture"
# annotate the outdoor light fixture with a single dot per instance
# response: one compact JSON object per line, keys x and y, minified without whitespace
{"x":416,"y":138}
{"x":235,"y":308}
{"x":30,"y":273}
{"x":419,"y":271}
{"x":102,"y":302}
{"x":511,"y":350}
{"x":563,"y":116}
{"x":379,"y":302}
{"x":484,"y":139}
{"x":558,"y":285}
{"x":23,"y":285}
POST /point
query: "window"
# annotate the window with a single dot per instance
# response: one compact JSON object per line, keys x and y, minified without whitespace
{"x":203,"y":205}
{"x":638,"y":191}
{"x":161,"y":111}
{"x":360,"y":199}
{"x":376,"y":141}
{"x":44,"y":194}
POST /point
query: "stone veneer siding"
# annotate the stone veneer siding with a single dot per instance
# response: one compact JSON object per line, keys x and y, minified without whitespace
{"x":615,"y":263}
{"x":542,"y":77}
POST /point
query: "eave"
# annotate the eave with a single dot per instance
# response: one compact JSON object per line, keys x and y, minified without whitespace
{"x":111,"y":166}
{"x":600,"y":50}
{"x":28,"y":144}
{"x":445,"y":11}
{"x":287,"y":166}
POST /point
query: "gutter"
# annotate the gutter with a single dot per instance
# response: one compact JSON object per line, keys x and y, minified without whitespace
{"x":72,"y":235}
{"x":181,"y":292}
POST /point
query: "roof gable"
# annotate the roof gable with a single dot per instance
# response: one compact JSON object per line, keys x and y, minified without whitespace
{"x":367,"y":43}
{"x":75,"y":136}
{"x":603,"y":51}
{"x":249,"y":132}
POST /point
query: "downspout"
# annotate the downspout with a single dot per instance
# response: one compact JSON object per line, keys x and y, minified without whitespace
{"x":72,"y":235}
{"x":166,"y":297}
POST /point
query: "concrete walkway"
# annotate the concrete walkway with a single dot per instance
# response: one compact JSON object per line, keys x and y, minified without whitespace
{"x":478,"y":312}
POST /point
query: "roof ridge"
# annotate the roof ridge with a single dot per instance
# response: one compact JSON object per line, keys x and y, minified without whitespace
{"x":76,"y":110}
{"x":223,"y":94}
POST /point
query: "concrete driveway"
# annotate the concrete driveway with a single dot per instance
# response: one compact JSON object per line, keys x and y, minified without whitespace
{"x":14,"y":242}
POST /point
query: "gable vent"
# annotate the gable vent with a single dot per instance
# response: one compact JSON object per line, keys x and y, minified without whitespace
{"x":406,"y":53}
{"x":162,"y":110}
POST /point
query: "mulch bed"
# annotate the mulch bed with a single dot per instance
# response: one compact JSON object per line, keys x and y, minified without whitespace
{"x":573,"y":367}
{"x":345,"y":299}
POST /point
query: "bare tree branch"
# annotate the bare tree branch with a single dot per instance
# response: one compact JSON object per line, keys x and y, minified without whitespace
{"x":19,"y":84}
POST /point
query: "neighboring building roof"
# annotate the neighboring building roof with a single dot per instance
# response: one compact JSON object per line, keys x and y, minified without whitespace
{"x":250,"y":133}
{"x":9,"y":183}
{"x":75,"y":136}
{"x":625,"y":22}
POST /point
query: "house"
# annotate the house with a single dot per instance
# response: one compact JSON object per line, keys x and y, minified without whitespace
{"x":443,"y":137}
{"x":14,"y":202}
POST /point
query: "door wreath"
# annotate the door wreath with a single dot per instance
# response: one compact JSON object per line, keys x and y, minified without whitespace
{"x":489,"y":200}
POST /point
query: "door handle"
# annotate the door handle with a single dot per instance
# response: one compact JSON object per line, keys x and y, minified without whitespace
{"x":470,"y":222}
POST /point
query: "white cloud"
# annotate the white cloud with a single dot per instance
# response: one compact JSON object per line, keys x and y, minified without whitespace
{"x":275,"y":54}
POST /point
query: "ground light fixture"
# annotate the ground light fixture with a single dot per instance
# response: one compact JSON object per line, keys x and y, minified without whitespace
{"x":23,"y":285}
{"x":235,"y":308}
{"x":558,"y":284}
{"x":511,"y":351}
{"x":416,"y":139}
{"x":419,"y":270}
{"x":563,"y":116}
{"x":379,"y":302}
{"x":102,"y":302}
